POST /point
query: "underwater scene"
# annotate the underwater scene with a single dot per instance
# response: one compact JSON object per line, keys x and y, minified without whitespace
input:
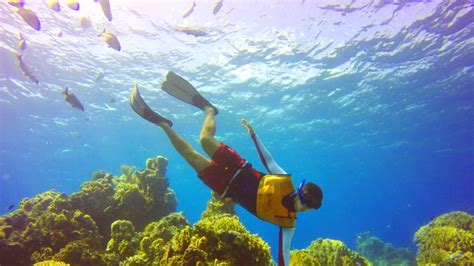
{"x":227,"y":132}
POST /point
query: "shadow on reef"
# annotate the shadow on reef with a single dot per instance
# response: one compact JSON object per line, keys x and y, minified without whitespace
{"x":131,"y":220}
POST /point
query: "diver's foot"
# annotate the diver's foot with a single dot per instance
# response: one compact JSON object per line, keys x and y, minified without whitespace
{"x":141,"y":108}
{"x":180,"y":88}
{"x":154,"y":117}
{"x":202,"y":103}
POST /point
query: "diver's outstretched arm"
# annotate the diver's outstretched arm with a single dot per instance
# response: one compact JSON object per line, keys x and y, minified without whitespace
{"x":265,"y":156}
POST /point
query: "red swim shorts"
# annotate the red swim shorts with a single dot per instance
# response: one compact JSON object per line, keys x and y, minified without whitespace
{"x":225,"y":163}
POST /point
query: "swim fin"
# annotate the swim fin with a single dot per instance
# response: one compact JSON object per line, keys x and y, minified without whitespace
{"x":184,"y":91}
{"x":141,"y":108}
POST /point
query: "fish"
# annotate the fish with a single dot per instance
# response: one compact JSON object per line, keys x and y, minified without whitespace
{"x":85,"y":22}
{"x":99,"y":76}
{"x":29,"y":17}
{"x":16,"y":3}
{"x":25,"y":69}
{"x":192,"y":31}
{"x":111,"y":40}
{"x":11,"y":207}
{"x":72,"y":99}
{"x":54,"y":5}
{"x":73,"y":4}
{"x":105,"y":5}
{"x":112,"y":100}
{"x":21,"y":42}
{"x":217,"y":7}
{"x":189,"y":11}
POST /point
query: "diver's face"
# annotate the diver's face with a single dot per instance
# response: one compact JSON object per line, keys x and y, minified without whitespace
{"x":300,"y":207}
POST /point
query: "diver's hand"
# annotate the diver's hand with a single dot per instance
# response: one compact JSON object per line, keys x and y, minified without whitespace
{"x":247,"y":126}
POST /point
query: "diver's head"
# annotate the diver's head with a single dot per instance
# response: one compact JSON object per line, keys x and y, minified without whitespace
{"x":310,"y":196}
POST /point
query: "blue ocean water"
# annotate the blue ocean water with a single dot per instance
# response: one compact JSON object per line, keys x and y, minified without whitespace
{"x":372,"y":100}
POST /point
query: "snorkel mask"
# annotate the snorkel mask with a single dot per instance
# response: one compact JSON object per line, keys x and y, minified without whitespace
{"x":299,"y":192}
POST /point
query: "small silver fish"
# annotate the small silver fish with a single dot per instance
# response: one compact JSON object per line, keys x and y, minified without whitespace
{"x":189,"y":11}
{"x":26,"y":70}
{"x":29,"y":17}
{"x":198,"y":32}
{"x":21,"y":42}
{"x":99,"y":76}
{"x":217,"y":7}
{"x":54,"y":5}
{"x":111,"y":40}
{"x":16,"y":3}
{"x":105,"y":5}
{"x":85,"y":22}
{"x":72,"y":99}
{"x":73,"y":4}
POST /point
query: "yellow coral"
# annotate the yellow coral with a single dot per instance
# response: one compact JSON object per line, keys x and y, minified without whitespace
{"x":51,"y":263}
{"x":448,"y":239}
{"x":327,"y":252}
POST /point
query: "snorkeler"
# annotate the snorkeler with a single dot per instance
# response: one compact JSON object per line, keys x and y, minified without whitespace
{"x":271,"y":197}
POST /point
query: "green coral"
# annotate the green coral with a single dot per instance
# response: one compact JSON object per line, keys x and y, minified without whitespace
{"x":447,"y":240}
{"x":381,"y":254}
{"x":326,"y":252}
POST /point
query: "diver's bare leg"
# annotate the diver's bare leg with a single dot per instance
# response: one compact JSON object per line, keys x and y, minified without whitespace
{"x":194,"y":158}
{"x":206,"y":138}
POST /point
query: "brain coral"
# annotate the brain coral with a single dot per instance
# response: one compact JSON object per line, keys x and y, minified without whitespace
{"x":326,"y":252}
{"x":447,"y":240}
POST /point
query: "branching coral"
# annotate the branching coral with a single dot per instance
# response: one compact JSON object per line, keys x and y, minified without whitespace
{"x":447,"y":240}
{"x":326,"y":252}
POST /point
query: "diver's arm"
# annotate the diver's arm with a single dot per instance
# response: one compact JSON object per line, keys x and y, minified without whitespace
{"x":286,"y":236}
{"x":266,"y":157}
{"x":263,"y":153}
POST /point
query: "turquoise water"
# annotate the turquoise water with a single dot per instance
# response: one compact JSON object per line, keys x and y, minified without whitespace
{"x":372,"y":100}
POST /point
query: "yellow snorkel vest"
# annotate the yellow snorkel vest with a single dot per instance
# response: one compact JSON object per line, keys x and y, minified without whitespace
{"x":271,"y":191}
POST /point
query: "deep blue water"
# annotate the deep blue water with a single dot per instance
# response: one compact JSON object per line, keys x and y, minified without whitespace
{"x":371,"y":100}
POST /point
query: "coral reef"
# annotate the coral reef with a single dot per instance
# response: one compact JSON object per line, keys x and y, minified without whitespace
{"x":44,"y":225}
{"x":446,"y":240}
{"x":137,"y":196}
{"x":381,"y":254}
{"x":131,"y":220}
{"x":216,"y":205}
{"x":51,"y":263}
{"x":218,"y":238}
{"x":326,"y":252}
{"x":155,"y":237}
{"x":73,"y":229}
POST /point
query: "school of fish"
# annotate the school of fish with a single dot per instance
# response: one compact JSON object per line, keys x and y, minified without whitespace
{"x":30,"y":18}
